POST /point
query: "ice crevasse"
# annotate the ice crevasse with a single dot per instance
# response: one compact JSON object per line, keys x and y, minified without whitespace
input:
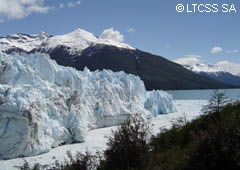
{"x":44,"y":105}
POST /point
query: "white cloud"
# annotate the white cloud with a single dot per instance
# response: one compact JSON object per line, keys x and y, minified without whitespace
{"x":131,"y":30}
{"x":216,"y":50}
{"x":61,"y":5}
{"x":73,"y":4}
{"x":231,"y":52}
{"x":70,"y":4}
{"x":167,"y":46}
{"x":193,"y":56}
{"x":233,"y":68}
{"x":188,"y":60}
{"x":111,"y":34}
{"x":18,"y":9}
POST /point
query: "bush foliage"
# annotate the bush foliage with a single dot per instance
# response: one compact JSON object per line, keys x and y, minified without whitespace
{"x":128,"y":146}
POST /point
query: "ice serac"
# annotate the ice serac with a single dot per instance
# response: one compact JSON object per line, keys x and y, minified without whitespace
{"x":44,"y":105}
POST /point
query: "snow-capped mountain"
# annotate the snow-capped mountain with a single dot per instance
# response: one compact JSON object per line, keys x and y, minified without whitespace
{"x":44,"y":105}
{"x":22,"y":42}
{"x":212,"y":71}
{"x":204,"y":67}
{"x":77,"y":41}
{"x":80,"y":48}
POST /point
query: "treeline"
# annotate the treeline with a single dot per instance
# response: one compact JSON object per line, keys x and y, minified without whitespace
{"x":212,"y":141}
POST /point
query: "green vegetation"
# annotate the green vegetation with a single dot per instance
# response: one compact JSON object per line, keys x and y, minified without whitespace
{"x":217,"y":102}
{"x":128,"y":146}
{"x":212,"y":141}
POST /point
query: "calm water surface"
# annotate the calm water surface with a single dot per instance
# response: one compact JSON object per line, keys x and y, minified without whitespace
{"x":202,"y":94}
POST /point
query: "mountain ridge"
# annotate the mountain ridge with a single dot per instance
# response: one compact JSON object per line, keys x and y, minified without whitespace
{"x":212,"y":71}
{"x":81,"y":49}
{"x":21,"y":41}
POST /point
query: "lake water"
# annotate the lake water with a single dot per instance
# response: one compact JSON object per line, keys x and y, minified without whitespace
{"x":202,"y":94}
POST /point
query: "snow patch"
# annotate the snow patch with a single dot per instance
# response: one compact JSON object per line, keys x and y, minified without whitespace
{"x":77,"y":40}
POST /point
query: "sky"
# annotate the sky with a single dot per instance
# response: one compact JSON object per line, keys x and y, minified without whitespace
{"x":207,"y":30}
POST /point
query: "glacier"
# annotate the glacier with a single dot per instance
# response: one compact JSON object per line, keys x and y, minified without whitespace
{"x":44,"y":105}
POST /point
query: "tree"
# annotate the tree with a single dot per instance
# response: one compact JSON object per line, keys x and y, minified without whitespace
{"x":217,"y":102}
{"x":128,"y":146}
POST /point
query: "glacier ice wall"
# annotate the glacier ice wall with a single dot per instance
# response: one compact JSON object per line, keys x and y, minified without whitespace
{"x":44,"y":105}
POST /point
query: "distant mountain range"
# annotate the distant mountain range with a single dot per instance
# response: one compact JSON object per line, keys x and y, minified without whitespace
{"x":81,"y":49}
{"x":22,"y":42}
{"x":213,"y":71}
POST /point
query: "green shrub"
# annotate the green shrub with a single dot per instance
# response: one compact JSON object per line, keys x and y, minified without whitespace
{"x":212,"y":141}
{"x":87,"y":161}
{"x":217,"y":102}
{"x":128,"y":146}
{"x":220,"y":147}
